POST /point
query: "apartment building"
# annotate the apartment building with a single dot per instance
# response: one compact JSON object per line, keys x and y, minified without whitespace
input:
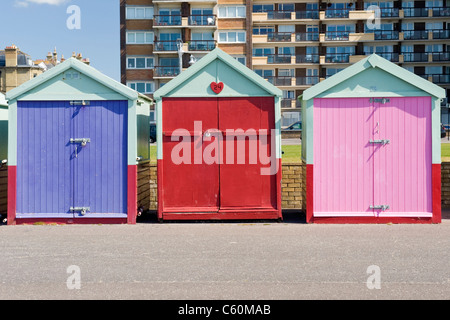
{"x":292,"y":44}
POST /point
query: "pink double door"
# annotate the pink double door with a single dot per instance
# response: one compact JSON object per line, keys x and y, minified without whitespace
{"x":372,"y":157}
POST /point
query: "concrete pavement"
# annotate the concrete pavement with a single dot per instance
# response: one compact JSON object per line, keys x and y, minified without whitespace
{"x":225,"y":260}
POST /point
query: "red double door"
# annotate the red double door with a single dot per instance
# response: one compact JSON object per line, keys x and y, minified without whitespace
{"x":204,"y":172}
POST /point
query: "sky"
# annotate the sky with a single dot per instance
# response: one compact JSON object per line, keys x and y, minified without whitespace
{"x":37,"y":27}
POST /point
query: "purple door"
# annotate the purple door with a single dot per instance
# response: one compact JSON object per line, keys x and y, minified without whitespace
{"x":72,"y":159}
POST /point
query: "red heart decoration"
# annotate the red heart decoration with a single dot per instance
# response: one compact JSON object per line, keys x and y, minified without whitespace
{"x":217,"y":87}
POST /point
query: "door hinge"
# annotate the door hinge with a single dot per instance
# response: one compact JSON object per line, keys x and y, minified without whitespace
{"x":382,"y":100}
{"x":383,"y":141}
{"x":381,"y":207}
{"x":80,"y":103}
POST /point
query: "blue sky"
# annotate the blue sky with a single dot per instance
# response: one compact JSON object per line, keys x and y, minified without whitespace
{"x":38,"y":26}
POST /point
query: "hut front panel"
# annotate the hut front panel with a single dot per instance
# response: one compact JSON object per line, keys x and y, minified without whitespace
{"x":189,"y":183}
{"x":55,"y":175}
{"x":372,"y":158}
{"x":243,"y":184}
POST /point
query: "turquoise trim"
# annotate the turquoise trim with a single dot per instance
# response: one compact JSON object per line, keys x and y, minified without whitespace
{"x":217,"y":66}
{"x":436,"y":130}
{"x":374,"y":62}
{"x":308,"y":131}
{"x":12,"y":133}
{"x":159,"y":136}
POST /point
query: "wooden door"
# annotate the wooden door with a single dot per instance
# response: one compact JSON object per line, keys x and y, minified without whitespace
{"x":189,"y":185}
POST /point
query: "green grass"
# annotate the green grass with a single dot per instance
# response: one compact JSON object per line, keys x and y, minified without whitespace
{"x":445,"y":151}
{"x":292,"y":154}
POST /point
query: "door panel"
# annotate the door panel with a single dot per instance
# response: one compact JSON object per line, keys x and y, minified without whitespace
{"x":44,"y":181}
{"x":402,"y":175}
{"x":100,"y":167}
{"x":241,"y":183}
{"x":343,"y":157}
{"x":192,"y":185}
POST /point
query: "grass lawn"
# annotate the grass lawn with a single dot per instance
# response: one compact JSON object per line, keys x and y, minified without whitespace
{"x":292,"y":153}
{"x":445,"y":152}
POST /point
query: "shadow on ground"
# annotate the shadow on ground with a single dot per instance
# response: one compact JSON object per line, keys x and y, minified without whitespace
{"x":289,"y":216}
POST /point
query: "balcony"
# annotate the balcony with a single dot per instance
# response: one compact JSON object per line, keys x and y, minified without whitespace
{"x":437,"y":78}
{"x":280,"y":15}
{"x":337,"y":35}
{"x":440,"y":34}
{"x":165,"y":72}
{"x":440,"y":12}
{"x":307,"y":36}
{"x":390,"y":56}
{"x":280,"y":81}
{"x":166,"y":20}
{"x":201,"y":45}
{"x":279,"y":58}
{"x":336,"y":13}
{"x":279,"y":37}
{"x":165,"y":46}
{"x":386,"y":35}
{"x":288,"y":103}
{"x":337,"y":57}
{"x":415,"y":57}
{"x":306,"y":81}
{"x":308,"y":58}
{"x":415,"y":12}
{"x":307,"y":15}
{"x":389,"y":12}
{"x":202,"y":20}
{"x":440,"y":56}
{"x":415,"y":34}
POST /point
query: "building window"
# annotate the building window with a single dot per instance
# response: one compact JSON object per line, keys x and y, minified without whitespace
{"x":142,"y":86}
{"x":139,"y":37}
{"x":140,"y":63}
{"x":263,"y":30}
{"x":232,"y":12}
{"x":240,"y":58}
{"x":232,"y":37}
{"x":139,"y":13}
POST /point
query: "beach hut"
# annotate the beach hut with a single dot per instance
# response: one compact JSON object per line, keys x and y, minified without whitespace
{"x":371,"y":146}
{"x":219,"y":143}
{"x":76,"y":140}
{"x":3,"y":153}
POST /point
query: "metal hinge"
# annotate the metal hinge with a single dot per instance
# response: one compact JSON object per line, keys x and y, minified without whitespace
{"x":383,"y":141}
{"x":81,"y":210}
{"x":382,"y":100}
{"x":80,"y":103}
{"x":382,"y":207}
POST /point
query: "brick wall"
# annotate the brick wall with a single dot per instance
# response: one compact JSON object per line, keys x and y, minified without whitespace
{"x":291,"y":186}
{"x":445,"y":183}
